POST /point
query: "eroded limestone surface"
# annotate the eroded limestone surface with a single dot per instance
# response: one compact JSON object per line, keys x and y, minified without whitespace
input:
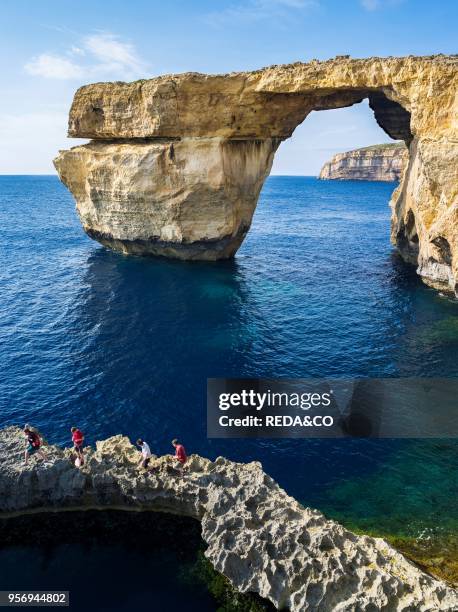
{"x":180,"y":159}
{"x":260,"y":538}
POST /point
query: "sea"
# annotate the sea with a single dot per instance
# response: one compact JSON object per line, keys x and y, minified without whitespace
{"x":122,"y":344}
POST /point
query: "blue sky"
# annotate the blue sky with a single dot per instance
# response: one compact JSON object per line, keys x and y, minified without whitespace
{"x":51,"y":47}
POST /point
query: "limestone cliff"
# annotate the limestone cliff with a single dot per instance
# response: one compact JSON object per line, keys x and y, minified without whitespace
{"x":189,"y":199}
{"x":261,"y":539}
{"x":178,"y":161}
{"x":376,"y":163}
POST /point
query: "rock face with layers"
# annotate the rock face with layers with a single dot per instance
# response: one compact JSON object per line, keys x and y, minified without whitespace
{"x":261,"y":539}
{"x":177,"y":162}
{"x":376,"y":163}
{"x":189,"y":199}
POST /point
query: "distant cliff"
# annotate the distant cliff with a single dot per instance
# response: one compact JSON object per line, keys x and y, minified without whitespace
{"x":377,"y":163}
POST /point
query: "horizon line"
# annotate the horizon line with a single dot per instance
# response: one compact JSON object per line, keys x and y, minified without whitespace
{"x":57,"y":176}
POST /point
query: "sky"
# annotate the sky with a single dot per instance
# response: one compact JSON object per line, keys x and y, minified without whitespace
{"x":51,"y":47}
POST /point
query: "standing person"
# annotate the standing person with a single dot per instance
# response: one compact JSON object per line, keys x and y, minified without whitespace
{"x":33,"y":444}
{"x":146,"y":453}
{"x":78,"y":439}
{"x":180,"y":455}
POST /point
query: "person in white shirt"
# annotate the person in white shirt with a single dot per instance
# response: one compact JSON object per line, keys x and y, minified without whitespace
{"x":146,"y":453}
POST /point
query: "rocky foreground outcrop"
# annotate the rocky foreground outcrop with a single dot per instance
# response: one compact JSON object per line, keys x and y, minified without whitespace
{"x":385,"y":162}
{"x":261,"y":539}
{"x":178,"y":161}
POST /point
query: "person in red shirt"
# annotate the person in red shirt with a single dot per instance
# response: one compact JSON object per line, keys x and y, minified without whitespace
{"x":33,"y":444}
{"x":78,"y":439}
{"x":180,"y":455}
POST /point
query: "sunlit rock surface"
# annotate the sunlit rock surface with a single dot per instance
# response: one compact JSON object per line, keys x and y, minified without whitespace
{"x":224,"y":130}
{"x":189,"y":198}
{"x":261,"y":539}
{"x":375,"y":163}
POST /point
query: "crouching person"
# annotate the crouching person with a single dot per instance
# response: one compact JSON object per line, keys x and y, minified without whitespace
{"x":33,"y":444}
{"x":146,"y":453}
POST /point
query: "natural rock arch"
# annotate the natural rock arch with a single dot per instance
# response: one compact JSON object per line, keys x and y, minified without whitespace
{"x":176,"y":163}
{"x":258,"y":536}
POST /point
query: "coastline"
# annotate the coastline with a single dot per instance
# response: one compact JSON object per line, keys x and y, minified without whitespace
{"x":435,"y":555}
{"x":258,"y":537}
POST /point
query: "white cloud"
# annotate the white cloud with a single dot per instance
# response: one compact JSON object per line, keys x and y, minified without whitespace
{"x":112,"y":53}
{"x":101,"y":55}
{"x":370,"y":5}
{"x":257,"y":10}
{"x":373,"y":5}
{"x":74,"y":50}
{"x":54,"y":67}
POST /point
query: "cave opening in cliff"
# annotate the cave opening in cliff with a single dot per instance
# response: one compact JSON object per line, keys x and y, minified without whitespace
{"x":407,"y":240}
{"x":120,"y":556}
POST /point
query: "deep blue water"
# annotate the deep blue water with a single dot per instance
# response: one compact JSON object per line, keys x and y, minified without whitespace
{"x":108,"y":561}
{"x":124,"y":344}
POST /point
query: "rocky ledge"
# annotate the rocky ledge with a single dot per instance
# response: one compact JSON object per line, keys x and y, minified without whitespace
{"x":385,"y":162}
{"x":177,"y":162}
{"x":257,"y":536}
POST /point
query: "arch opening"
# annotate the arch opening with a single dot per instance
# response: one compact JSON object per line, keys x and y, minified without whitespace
{"x":91,"y":540}
{"x":286,"y":111}
{"x":389,"y":115}
{"x":350,"y":125}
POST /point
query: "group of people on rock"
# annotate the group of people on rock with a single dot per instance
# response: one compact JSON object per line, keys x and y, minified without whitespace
{"x":34,"y":445}
{"x":180,"y":454}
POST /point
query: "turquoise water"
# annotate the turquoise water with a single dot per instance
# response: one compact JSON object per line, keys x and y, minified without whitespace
{"x":124,"y":344}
